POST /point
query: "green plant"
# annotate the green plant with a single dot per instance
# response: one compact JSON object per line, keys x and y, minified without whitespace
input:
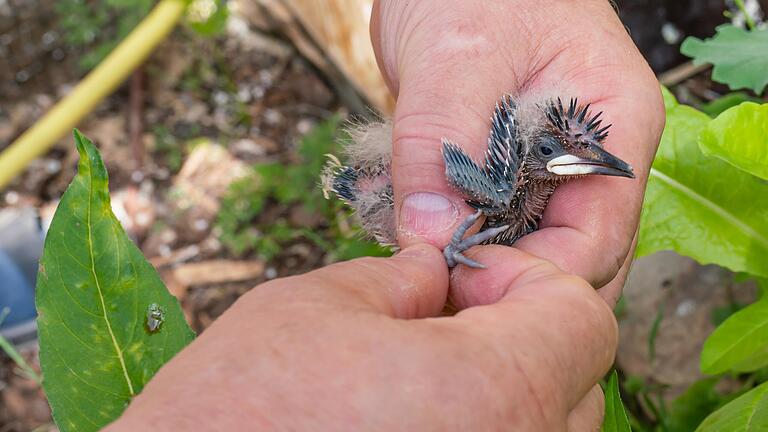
{"x":290,"y":188}
{"x":168,"y":147}
{"x":707,"y":198}
{"x":24,"y":367}
{"x":106,"y":322}
{"x":615,"y":418}
{"x":97,"y":27}
{"x":739,"y":56}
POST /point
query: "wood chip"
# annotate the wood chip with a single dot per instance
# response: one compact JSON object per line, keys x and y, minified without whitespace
{"x":218,"y":271}
{"x":335,"y":37}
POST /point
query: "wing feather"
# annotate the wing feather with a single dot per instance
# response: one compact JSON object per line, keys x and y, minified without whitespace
{"x":476,"y":184}
{"x":503,"y":156}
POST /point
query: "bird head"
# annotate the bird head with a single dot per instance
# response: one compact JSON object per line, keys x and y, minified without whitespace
{"x":569,"y":144}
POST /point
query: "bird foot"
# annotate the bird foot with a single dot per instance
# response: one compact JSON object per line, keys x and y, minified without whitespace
{"x":453,"y":252}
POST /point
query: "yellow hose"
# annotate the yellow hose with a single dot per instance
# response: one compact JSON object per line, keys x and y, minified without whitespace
{"x":102,"y":81}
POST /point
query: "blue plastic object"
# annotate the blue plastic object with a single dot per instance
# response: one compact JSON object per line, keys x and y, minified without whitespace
{"x":16,"y":293}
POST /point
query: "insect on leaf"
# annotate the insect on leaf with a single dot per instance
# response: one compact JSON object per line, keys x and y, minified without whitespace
{"x":94,"y":290}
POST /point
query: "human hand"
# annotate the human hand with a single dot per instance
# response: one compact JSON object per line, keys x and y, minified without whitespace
{"x":351,"y":347}
{"x":448,"y":61}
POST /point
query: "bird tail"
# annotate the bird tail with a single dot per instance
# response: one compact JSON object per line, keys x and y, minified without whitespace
{"x":339,"y":180}
{"x":365,"y":183}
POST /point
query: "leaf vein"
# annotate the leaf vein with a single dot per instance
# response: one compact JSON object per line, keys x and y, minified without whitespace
{"x":98,"y":288}
{"x":723,"y":213}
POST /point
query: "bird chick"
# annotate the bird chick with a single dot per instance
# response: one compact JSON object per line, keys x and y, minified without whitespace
{"x":532,"y":149}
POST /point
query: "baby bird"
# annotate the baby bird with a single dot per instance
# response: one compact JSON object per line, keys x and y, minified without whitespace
{"x":532,"y":149}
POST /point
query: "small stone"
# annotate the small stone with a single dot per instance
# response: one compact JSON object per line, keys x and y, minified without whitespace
{"x":200,"y":224}
{"x":304,"y":126}
{"x":11,"y":197}
{"x":270,"y":273}
{"x":272,"y":116}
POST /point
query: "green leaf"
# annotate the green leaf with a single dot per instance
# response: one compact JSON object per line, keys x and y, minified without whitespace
{"x":747,"y":413}
{"x":655,"y":332}
{"x":719,"y":105}
{"x":701,"y":206}
{"x":739,"y":136}
{"x":740,"y":343}
{"x":615,"y":416}
{"x":739,"y":56}
{"x":669,"y":99}
{"x":208,"y":17}
{"x":94,"y":291}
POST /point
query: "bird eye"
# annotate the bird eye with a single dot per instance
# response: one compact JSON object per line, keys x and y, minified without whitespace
{"x":545,"y":150}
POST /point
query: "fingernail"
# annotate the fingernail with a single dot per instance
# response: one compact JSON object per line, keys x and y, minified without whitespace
{"x":427,"y":212}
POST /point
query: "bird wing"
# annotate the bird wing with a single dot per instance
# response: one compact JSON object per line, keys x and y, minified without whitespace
{"x":503,"y":156}
{"x":480,"y":189}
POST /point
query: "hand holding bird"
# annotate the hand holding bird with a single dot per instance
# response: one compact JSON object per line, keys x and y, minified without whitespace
{"x":531,"y":151}
{"x":447,"y":62}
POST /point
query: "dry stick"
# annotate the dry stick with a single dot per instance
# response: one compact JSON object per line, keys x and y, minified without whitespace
{"x":135,"y":117}
{"x":680,"y":73}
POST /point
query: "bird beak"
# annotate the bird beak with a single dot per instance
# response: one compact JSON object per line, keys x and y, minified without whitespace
{"x":595,"y":161}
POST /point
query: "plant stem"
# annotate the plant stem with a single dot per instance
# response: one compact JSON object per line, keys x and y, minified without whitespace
{"x":109,"y":74}
{"x":747,"y":18}
{"x":9,"y":349}
{"x":135,"y":117}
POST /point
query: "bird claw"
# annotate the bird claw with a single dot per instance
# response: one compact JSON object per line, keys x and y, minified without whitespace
{"x":453,"y":252}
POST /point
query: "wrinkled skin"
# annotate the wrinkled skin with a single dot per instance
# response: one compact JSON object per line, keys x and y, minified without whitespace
{"x":354,"y":347}
{"x":448,"y":64}
{"x":448,"y":61}
{"x":332,"y":350}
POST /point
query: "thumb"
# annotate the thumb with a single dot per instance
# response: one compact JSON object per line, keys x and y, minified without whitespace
{"x":443,"y":63}
{"x":411,"y":284}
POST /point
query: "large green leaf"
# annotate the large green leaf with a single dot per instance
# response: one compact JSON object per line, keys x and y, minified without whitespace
{"x":615,"y":419}
{"x":741,"y":342}
{"x":747,"y":413}
{"x":739,"y":56}
{"x":739,"y":136}
{"x":95,"y":291}
{"x":701,"y":206}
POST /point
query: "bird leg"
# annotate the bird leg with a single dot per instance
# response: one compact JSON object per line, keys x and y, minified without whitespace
{"x":453,"y":252}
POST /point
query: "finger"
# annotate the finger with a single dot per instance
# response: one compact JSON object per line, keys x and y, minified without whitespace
{"x":587,"y":415}
{"x":425,"y":54}
{"x":411,"y":284}
{"x":611,"y":292}
{"x":550,"y":327}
